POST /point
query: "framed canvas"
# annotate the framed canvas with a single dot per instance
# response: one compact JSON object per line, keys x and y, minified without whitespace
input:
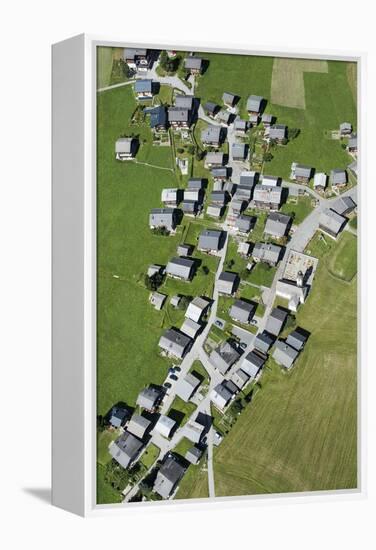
{"x":206,"y":275}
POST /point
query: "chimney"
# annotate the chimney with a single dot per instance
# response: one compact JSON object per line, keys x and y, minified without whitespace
{"x":299,"y":279}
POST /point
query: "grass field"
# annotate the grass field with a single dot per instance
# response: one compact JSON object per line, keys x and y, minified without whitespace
{"x":150,"y":455}
{"x":108,"y":67}
{"x":105,"y":493}
{"x":195,"y":482}
{"x":301,"y":207}
{"x":299,"y":433}
{"x":103,"y":440}
{"x":343,"y":263}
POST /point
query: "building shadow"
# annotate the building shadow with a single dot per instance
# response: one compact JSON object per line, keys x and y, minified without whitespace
{"x":43,"y":494}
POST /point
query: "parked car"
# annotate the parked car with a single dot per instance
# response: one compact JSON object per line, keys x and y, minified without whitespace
{"x":177,"y":369}
{"x":167,"y":385}
{"x":253,"y":322}
{"x":173,"y":377}
{"x":243,"y":345}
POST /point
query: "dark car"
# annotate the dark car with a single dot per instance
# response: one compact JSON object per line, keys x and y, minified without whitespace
{"x":177,"y":369}
{"x":167,"y":385}
{"x":173,"y":377}
{"x":243,"y":345}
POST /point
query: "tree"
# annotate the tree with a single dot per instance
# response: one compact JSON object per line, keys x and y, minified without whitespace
{"x":230,"y":263}
{"x":199,"y":154}
{"x":205,"y":270}
{"x":153,"y":282}
{"x":268,"y":157}
{"x":293,"y":133}
{"x":180,"y":150}
{"x":184,"y":302}
{"x":191,"y":149}
{"x":290,"y":321}
{"x":163,"y":59}
{"x":284,"y":141}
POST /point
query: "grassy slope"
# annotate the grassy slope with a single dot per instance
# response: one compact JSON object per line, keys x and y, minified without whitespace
{"x":300,"y":432}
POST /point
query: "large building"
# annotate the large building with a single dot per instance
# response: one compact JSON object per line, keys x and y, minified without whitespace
{"x":180,"y":268}
{"x":275,"y":321}
{"x":223,"y":357}
{"x":168,"y":477}
{"x":175,"y":343}
{"x":163,"y":217}
{"x":125,"y":449}
{"x":211,"y":240}
{"x":331,"y":223}
{"x":267,"y":197}
{"x":277,"y":225}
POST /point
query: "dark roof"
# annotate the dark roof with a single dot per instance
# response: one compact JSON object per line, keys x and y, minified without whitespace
{"x":178,"y":114}
{"x":184,"y":101}
{"x":158,"y":116}
{"x":210,"y":106}
{"x":296,"y":339}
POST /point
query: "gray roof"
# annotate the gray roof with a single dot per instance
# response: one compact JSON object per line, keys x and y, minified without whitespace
{"x":243,"y":223}
{"x":302,"y":171}
{"x":214,"y":158}
{"x":266,"y":252}
{"x":210,"y":239}
{"x":188,"y":385}
{"x":218,"y":197}
{"x":178,"y":114}
{"x":180,"y":267}
{"x":197,"y":308}
{"x":148,"y":398}
{"x":239,"y":378}
{"x":263,"y":342}
{"x":226,"y":282}
{"x":284,"y":354}
{"x":277,"y":224}
{"x":252,"y":363}
{"x":219,"y":172}
{"x":265,"y":117}
{"x":296,"y":340}
{"x":277,"y":131}
{"x":193,"y":455}
{"x":223,"y":357}
{"x":239,"y":150}
{"x":242,"y":311}
{"x":248,"y":178}
{"x":190,"y":328}
{"x":210,"y":106}
{"x":118,"y":415}
{"x":138,"y":425}
{"x":214,"y":210}
{"x":169,"y":475}
{"x":240,"y":125}
{"x":211,"y":134}
{"x":184,"y":101}
{"x":338,"y":176}
{"x":163,"y":217}
{"x":343,"y":205}
{"x":123,"y":145}
{"x":345,"y":126}
{"x":174,"y":342}
{"x":228,"y":98}
{"x":254,"y":103}
{"x":267,"y":194}
{"x":221,"y":395}
{"x":331,"y":222}
{"x":224,"y":116}
{"x":144,"y":85}
{"x":189,"y":206}
{"x":131,"y":53}
{"x":184,"y":249}
{"x":195,"y":183}
{"x":125,"y":449}
{"x":193,"y":431}
{"x":275,"y":321}
{"x":353,"y":141}
{"x":157,"y":299}
{"x":191,"y":62}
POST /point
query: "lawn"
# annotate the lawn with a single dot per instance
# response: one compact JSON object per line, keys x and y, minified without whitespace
{"x":150,"y":455}
{"x":299,"y":433}
{"x":105,"y":493}
{"x":262,"y":274}
{"x":110,"y":70}
{"x":195,"y":482}
{"x":299,"y":207}
{"x":103,"y":440}
{"x":180,"y":411}
{"x":198,"y":370}
{"x":343,"y":263}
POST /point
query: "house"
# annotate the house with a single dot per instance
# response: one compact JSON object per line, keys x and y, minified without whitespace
{"x":149,"y":398}
{"x":223,"y":357}
{"x":277,"y":132}
{"x":302,"y":173}
{"x":126,"y":148}
{"x":293,"y":291}
{"x":175,"y":300}
{"x":171,"y":197}
{"x":263,"y":342}
{"x":193,"y":65}
{"x":345,"y":128}
{"x":175,"y":343}
{"x":193,"y":195}
{"x":343,"y":206}
{"x":227,"y":282}
{"x":168,"y":476}
{"x":239,"y":151}
{"x":193,"y":431}
{"x":244,"y":223}
{"x":267,"y":197}
{"x":219,"y":173}
{"x":229,"y":99}
{"x":331,"y":223}
{"x":214,"y":159}
{"x":218,"y":185}
{"x":215,"y":210}
{"x":184,"y":102}
{"x":143,"y":89}
{"x":266,"y":253}
{"x":352,"y":146}
{"x":186,"y":387}
{"x":153,"y":269}
{"x":224,"y":117}
{"x":267,"y":120}
{"x":296,"y":340}
{"x":212,"y":135}
{"x":193,"y":455}
{"x":163,"y":217}
{"x":158,"y":118}
{"x":197,"y":308}
{"x":277,"y":225}
{"x":179,"y":118}
{"x":157,"y":299}
{"x":253,"y":119}
{"x":180,"y":268}
{"x":211,"y":108}
{"x":242,"y":311}
{"x":118,"y":416}
{"x":138,"y":425}
{"x":284,"y":354}
{"x":220,"y":396}
{"x":165,"y":425}
{"x":238,"y":204}
{"x":248,"y":178}
{"x":137,"y":59}
{"x":319,"y":181}
{"x":271,"y":181}
{"x":184,"y":249}
{"x":244,"y":248}
{"x":276,"y":320}
{"x":254,"y":104}
{"x":338,"y":177}
{"x":211,"y":240}
{"x":196,"y":183}
{"x":190,"y":328}
{"x":230,"y":386}
{"x":218,"y":197}
{"x":240,"y":126}
{"x":191,"y":208}
{"x":252,"y":363}
{"x":125,"y":449}
{"x":239,"y":378}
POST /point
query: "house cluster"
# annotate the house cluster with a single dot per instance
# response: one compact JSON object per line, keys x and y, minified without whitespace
{"x":333,"y":220}
{"x":338,"y":177}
